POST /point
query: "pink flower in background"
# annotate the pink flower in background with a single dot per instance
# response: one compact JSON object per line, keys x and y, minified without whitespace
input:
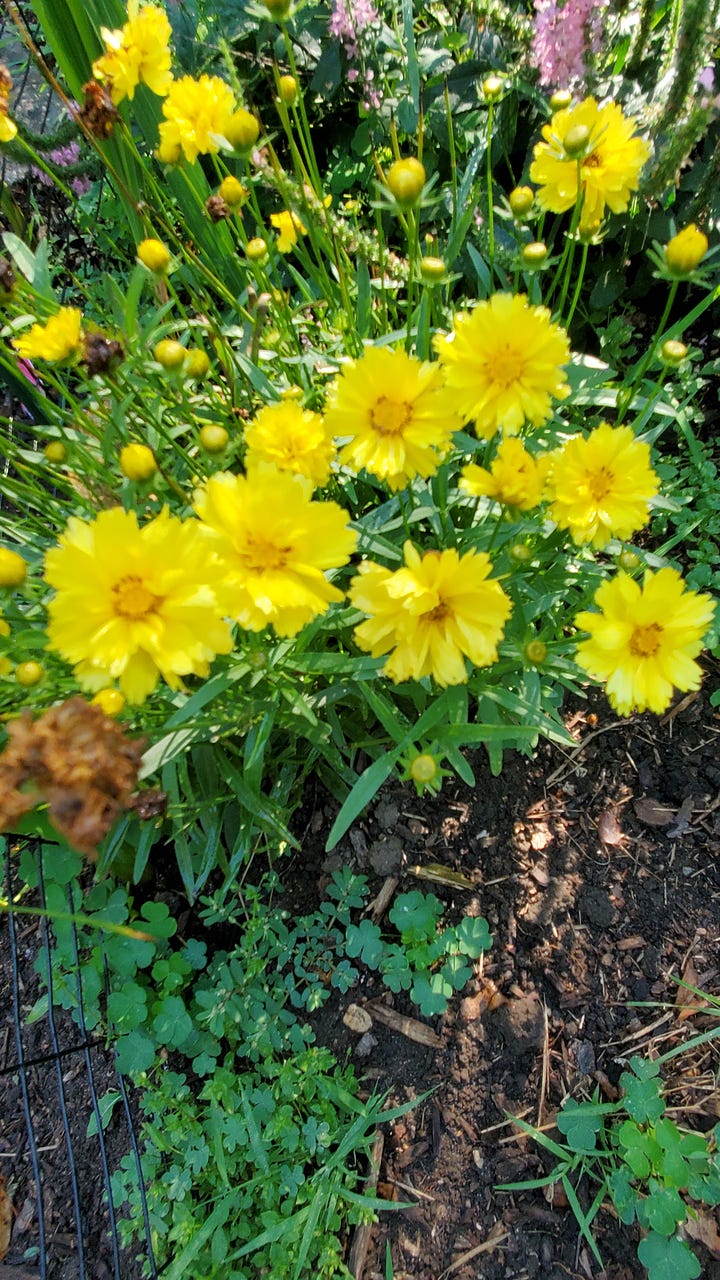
{"x":564,"y":36}
{"x":348,"y":20}
{"x":62,"y":157}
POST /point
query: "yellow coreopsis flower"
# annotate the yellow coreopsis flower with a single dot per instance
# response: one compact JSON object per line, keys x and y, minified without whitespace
{"x":8,"y":128}
{"x":644,"y":641}
{"x":197,"y":113}
{"x":292,"y":439}
{"x":503,"y":364}
{"x":515,"y":478}
{"x":135,"y":604}
{"x":430,"y":616}
{"x":59,"y":339}
{"x":139,"y":52}
{"x":686,"y":250}
{"x":289,"y":226}
{"x":397,"y":412}
{"x":600,"y":486}
{"x":276,"y":546}
{"x":606,"y":167}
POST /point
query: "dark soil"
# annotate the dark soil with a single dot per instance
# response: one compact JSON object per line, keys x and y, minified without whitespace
{"x":598,"y":872}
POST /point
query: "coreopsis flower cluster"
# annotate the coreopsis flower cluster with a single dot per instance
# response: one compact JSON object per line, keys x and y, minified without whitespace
{"x":139,"y":53}
{"x":60,"y":339}
{"x":644,"y":640}
{"x":503,"y":363}
{"x":589,"y":151}
{"x":396,"y":414}
{"x":440,"y":609}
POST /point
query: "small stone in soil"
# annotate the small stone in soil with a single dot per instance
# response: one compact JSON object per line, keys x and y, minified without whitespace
{"x":522,"y":1025}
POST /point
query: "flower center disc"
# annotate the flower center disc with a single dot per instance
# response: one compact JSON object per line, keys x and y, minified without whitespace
{"x":262,"y":555}
{"x":600,"y":484}
{"x":132,"y":598}
{"x":390,"y":417}
{"x":507,"y":367}
{"x":645,"y":641}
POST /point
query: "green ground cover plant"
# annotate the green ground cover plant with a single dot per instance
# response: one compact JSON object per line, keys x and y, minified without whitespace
{"x":631,"y":1153}
{"x":370,"y":437}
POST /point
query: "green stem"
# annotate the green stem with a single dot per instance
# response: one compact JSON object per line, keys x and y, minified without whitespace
{"x":489,"y":180}
{"x":578,"y":285}
{"x":624,"y":400}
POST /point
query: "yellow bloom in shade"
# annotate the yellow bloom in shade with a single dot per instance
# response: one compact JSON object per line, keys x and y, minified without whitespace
{"x":503,"y":364}
{"x":135,"y":604}
{"x":59,"y":339}
{"x":515,"y":478}
{"x":139,"y":52}
{"x":275,"y":545}
{"x":643,"y":642}
{"x":8,"y":127}
{"x":289,"y":226}
{"x":197,"y":114}
{"x":609,"y":163}
{"x":430,"y":616}
{"x":397,"y":412}
{"x":293,"y":439}
{"x":600,"y":486}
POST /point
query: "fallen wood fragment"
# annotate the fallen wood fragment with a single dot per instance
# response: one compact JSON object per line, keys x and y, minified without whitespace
{"x":409,"y":1027}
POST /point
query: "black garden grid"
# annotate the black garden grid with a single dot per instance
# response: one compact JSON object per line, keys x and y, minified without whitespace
{"x":52,"y":1074}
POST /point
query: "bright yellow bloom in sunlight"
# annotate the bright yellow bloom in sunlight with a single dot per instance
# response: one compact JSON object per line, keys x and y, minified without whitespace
{"x":396,"y":411}
{"x":197,"y":113}
{"x":138,"y":53}
{"x":515,"y":478}
{"x":600,"y":486}
{"x":59,"y":339}
{"x":293,"y":439}
{"x":276,"y":546}
{"x":134,"y":605}
{"x":609,"y":162}
{"x":289,"y":226}
{"x":503,"y":364}
{"x":430,"y":616}
{"x":686,"y":250}
{"x":643,"y":642}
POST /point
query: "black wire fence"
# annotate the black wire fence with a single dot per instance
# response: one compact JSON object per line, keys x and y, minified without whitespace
{"x":56,"y":1167}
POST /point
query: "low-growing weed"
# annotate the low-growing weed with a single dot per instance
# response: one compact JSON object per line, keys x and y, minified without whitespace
{"x":632,"y":1153}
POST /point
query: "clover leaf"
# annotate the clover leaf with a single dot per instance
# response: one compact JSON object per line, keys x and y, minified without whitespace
{"x":364,"y":940}
{"x":579,"y":1126}
{"x":473,"y":936}
{"x":396,"y":971}
{"x":431,"y":994}
{"x":415,"y":915}
{"x":643,"y":1091}
{"x":667,"y":1259}
{"x":663,"y":1209}
{"x":623,"y":1195}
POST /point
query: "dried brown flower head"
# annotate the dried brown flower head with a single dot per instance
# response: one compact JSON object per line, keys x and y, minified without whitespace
{"x":75,"y":759}
{"x":101,"y":354}
{"x":98,"y":114}
{"x":217,"y":208}
{"x":7,"y":277}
